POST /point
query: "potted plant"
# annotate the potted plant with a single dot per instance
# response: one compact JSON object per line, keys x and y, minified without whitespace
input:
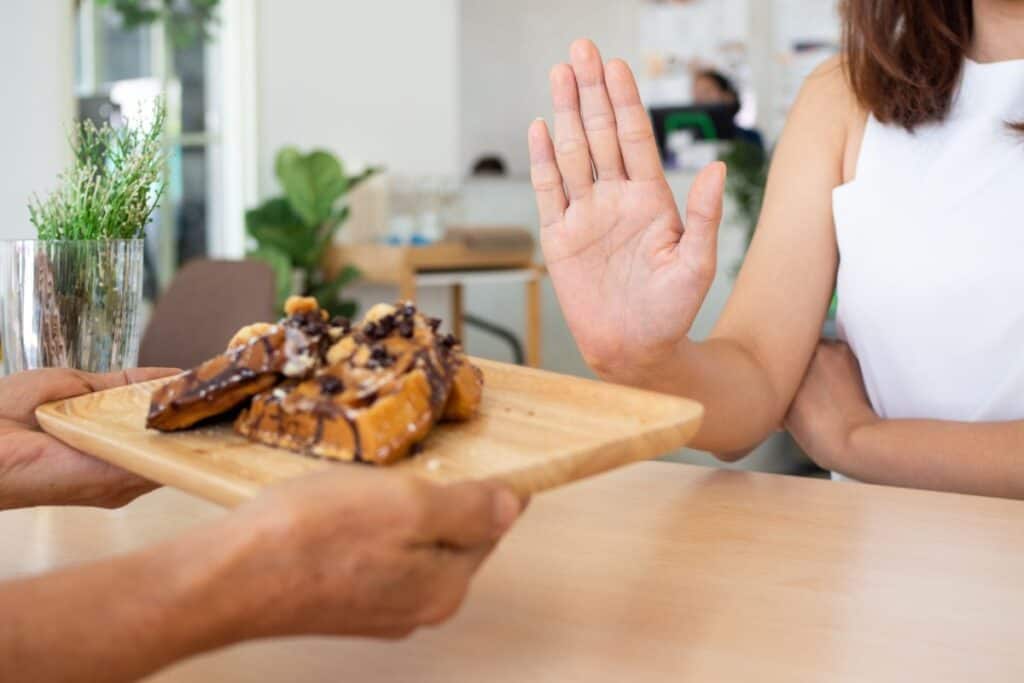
{"x":186,"y":21}
{"x":293,"y":231}
{"x":71,"y":298}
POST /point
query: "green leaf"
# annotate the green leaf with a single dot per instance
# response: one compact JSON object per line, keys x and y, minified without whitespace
{"x":275,"y":224}
{"x":328,"y":294}
{"x":281,"y":264}
{"x":312,"y":183}
{"x":327,"y":233}
{"x":354,"y":181}
{"x":345,"y":308}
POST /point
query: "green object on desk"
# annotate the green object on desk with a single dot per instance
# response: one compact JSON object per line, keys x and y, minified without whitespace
{"x":692,"y":119}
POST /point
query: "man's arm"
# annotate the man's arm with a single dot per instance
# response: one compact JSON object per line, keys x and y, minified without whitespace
{"x":116,"y":620}
{"x":349,"y":552}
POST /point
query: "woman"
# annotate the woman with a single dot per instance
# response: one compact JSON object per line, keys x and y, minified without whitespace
{"x":898,"y":174}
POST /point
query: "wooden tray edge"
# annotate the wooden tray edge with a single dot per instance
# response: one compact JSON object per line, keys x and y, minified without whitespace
{"x":138,"y":461}
{"x":588,"y":462}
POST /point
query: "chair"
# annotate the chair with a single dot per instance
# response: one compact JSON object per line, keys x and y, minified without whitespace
{"x":205,"y":304}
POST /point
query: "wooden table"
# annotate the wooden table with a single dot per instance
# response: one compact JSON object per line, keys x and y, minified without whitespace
{"x":451,"y":265}
{"x":663,"y":572}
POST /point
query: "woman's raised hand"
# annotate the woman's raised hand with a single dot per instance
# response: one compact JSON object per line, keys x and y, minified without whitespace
{"x":630,"y":274}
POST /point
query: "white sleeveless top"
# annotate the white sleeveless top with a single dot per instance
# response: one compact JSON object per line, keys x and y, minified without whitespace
{"x":931,"y":247}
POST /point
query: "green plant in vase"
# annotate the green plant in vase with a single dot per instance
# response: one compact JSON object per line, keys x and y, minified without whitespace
{"x":71,"y":298}
{"x":113,"y":186}
{"x":293,"y":232}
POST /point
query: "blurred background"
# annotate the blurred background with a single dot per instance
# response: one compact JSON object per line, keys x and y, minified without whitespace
{"x":425,"y":105}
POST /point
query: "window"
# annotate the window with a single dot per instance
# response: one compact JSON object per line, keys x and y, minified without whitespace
{"x":118,"y":72}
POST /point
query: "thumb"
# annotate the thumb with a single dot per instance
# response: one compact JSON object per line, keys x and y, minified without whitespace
{"x":699,"y":244}
{"x":470,"y":514}
{"x":112,"y":380}
{"x":23,"y":392}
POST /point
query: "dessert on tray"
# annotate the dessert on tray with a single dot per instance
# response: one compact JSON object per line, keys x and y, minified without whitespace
{"x":367,"y":392}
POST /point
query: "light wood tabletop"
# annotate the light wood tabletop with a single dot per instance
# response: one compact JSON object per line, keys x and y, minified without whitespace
{"x":661,"y":572}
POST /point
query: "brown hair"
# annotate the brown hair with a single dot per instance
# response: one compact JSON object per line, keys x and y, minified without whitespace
{"x":904,"y":58}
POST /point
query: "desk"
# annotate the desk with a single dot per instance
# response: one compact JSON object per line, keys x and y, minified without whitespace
{"x":451,"y":265}
{"x":662,"y":572}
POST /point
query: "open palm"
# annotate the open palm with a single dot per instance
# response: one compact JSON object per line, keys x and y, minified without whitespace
{"x":629,"y":276}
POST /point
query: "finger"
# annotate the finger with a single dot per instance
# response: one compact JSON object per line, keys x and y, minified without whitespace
{"x":596,"y":111}
{"x":47,"y":472}
{"x":468,"y":515}
{"x":112,"y":380}
{"x":699,"y":244}
{"x":470,"y":560}
{"x":454,"y":572}
{"x":571,"y":147}
{"x":23,"y":392}
{"x":636,"y":136}
{"x":547,"y":181}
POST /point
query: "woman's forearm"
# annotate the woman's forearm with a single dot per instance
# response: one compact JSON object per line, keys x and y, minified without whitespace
{"x":741,"y":405}
{"x":115,"y":620}
{"x":975,"y":458}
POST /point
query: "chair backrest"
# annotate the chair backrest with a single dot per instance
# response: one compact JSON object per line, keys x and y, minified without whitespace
{"x":206,"y":303}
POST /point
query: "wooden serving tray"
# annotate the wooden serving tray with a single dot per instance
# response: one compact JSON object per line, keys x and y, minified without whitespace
{"x":536,"y":430}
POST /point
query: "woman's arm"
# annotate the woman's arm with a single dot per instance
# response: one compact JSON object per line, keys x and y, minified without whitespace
{"x":631,"y":276}
{"x":985,"y":459}
{"x":832,"y":420}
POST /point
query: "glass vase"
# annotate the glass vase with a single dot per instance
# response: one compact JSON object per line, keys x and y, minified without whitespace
{"x":70,"y":304}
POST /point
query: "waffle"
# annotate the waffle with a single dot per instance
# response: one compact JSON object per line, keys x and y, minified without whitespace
{"x":367,"y":393}
{"x":258,"y":357}
{"x":384,"y":387}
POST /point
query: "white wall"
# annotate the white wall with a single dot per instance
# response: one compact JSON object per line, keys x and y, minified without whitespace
{"x":507,"y":49}
{"x":36,"y":79}
{"x":372,"y":81}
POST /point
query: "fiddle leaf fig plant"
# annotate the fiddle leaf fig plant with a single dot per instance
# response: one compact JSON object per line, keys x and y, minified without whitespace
{"x":293,"y":232}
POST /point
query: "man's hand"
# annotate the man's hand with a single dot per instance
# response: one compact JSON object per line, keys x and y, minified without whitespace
{"x":349,"y":551}
{"x":358,"y":552}
{"x":35,"y":468}
{"x":830,"y":405}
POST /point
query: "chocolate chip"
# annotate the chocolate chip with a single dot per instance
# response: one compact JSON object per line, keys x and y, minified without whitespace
{"x":310,"y":323}
{"x":434,"y":323}
{"x":342,"y":322}
{"x":330,"y":385}
{"x":386,"y":325}
{"x":379,"y":357}
{"x":405,"y":328}
{"x":370,"y":330}
{"x":408,"y":310}
{"x":448,"y":341}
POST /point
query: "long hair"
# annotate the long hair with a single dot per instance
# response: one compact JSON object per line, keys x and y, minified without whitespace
{"x":904,"y":58}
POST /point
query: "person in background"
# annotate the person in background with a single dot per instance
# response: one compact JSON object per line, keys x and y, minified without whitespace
{"x":898,"y":176}
{"x":490,"y":165}
{"x":348,"y":552}
{"x":711,"y":87}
